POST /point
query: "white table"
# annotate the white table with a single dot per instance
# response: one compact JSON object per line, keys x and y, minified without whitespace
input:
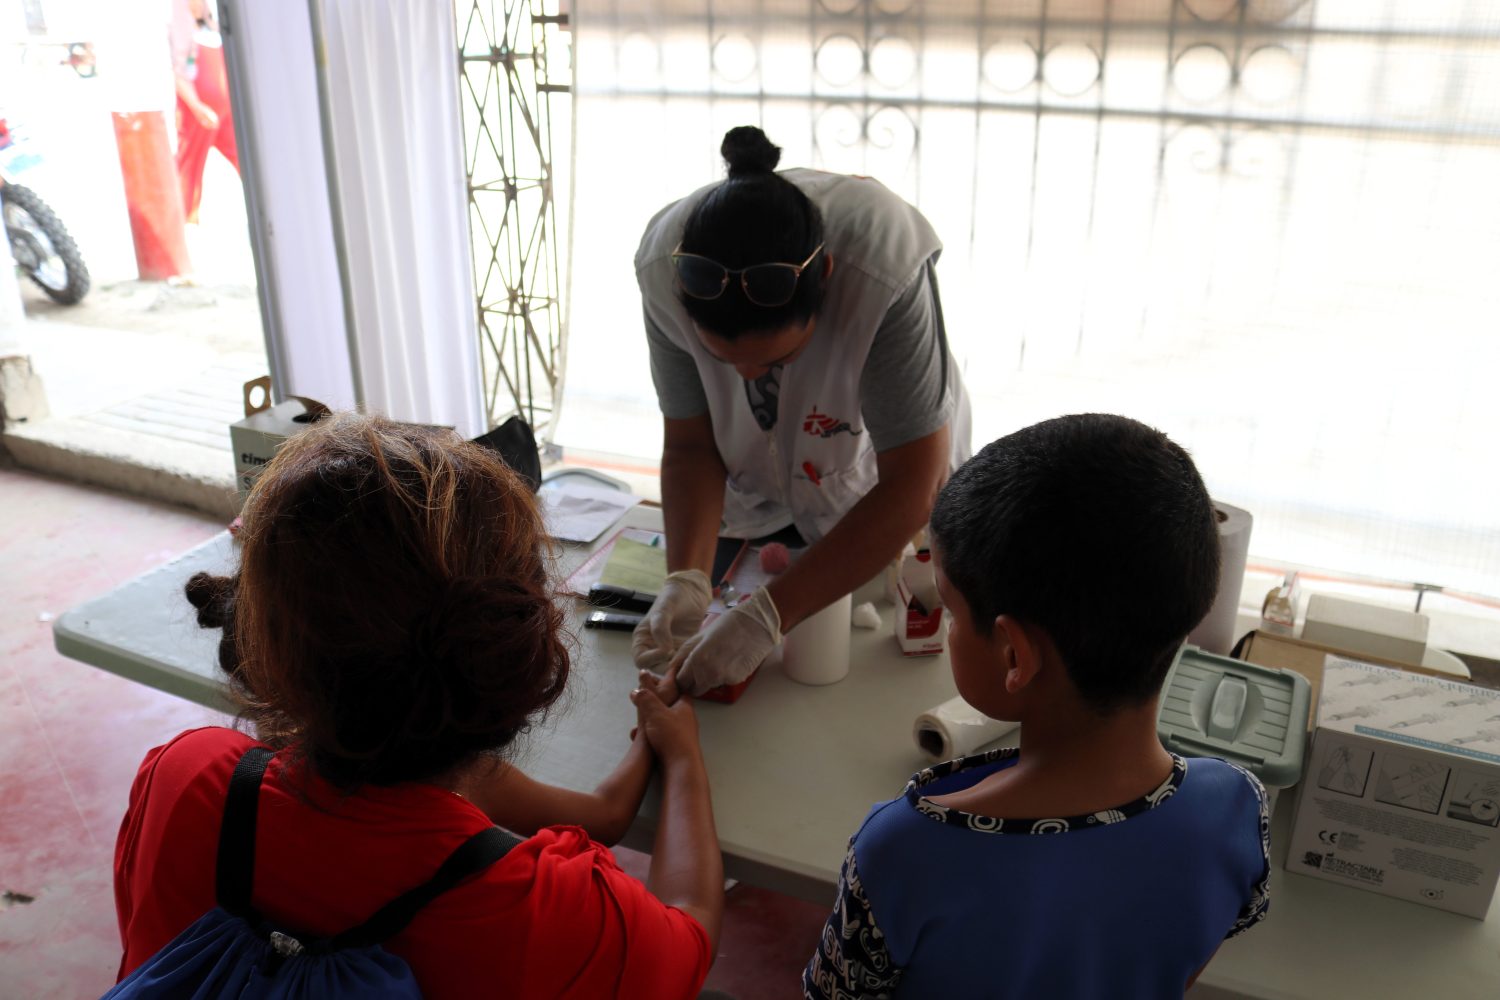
{"x":796,"y":768}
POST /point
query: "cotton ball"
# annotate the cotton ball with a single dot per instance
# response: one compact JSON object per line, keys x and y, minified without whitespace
{"x":774,"y":558}
{"x":865,"y":616}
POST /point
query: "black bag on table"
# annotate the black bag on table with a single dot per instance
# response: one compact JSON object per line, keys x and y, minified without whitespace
{"x":515,"y":442}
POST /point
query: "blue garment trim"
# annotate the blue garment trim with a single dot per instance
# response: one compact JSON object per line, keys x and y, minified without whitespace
{"x":1061,"y":824}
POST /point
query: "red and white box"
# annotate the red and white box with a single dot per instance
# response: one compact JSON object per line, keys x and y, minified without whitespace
{"x":919,"y":608}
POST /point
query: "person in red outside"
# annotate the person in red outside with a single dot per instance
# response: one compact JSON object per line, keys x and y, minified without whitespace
{"x":204,"y":117}
{"x":389,"y":633}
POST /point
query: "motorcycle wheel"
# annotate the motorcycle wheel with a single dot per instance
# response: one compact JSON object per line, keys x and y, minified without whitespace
{"x":42,"y":247}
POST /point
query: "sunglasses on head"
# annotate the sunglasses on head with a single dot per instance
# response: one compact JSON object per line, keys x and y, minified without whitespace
{"x":763,"y":284}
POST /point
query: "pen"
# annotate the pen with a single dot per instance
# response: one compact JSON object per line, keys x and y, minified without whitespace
{"x":812,"y":473}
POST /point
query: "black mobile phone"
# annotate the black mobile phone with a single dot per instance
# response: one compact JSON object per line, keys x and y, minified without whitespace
{"x":612,"y":620}
{"x":605,"y":595}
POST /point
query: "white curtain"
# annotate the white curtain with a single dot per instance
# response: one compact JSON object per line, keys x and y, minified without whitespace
{"x":269,"y":51}
{"x":387,"y":206}
{"x":1267,"y":227}
{"x":397,"y":151}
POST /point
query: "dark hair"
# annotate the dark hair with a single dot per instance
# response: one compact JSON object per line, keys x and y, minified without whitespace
{"x":1094,"y":527}
{"x":755,"y":216}
{"x":391,"y":618}
{"x":213,"y":596}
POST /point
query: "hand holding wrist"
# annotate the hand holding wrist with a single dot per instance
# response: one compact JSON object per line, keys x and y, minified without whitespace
{"x":732,"y":646}
{"x":674,"y":617}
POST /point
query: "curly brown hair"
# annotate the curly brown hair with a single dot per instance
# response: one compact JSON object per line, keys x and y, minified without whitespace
{"x":392,"y":617}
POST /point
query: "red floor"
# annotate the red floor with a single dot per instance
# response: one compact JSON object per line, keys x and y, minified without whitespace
{"x":71,"y":737}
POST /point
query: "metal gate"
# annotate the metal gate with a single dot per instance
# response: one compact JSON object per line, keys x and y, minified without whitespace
{"x":513,"y":86}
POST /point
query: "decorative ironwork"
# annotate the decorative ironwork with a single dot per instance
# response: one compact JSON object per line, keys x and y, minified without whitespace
{"x":1130,"y":194}
{"x":514,"y":72}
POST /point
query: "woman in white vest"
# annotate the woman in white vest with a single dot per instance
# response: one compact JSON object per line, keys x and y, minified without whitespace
{"x":805,"y":382}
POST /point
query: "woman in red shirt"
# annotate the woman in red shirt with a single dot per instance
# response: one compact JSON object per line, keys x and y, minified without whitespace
{"x":389,"y":633}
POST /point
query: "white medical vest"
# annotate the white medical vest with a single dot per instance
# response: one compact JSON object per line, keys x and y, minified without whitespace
{"x":817,"y":461}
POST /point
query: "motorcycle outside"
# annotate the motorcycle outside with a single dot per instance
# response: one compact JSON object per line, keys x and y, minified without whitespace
{"x":39,"y":241}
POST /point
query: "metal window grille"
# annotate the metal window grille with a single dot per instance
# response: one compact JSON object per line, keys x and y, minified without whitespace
{"x":514,"y":89}
{"x":1219,"y":215}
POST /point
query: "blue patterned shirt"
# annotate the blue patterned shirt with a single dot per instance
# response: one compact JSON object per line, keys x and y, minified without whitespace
{"x":1124,"y":902}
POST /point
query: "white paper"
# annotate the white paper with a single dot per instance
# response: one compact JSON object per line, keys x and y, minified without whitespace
{"x":575,"y":513}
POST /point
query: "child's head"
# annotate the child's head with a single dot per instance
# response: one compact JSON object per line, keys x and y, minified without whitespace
{"x":1095,"y":529}
{"x":392,"y":613}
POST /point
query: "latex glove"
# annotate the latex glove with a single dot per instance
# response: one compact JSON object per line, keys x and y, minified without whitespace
{"x":674,"y":616}
{"x":731,"y":647}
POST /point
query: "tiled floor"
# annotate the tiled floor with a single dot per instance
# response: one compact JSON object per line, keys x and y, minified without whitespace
{"x":71,"y":737}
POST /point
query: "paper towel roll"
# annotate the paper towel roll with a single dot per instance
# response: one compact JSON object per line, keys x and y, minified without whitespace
{"x":955,"y":728}
{"x":1216,"y":632}
{"x":817,"y":650}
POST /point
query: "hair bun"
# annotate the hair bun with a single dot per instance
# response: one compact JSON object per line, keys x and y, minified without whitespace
{"x":747,"y":151}
{"x":213,"y":596}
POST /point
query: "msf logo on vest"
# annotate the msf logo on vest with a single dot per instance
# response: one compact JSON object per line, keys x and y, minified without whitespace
{"x":823,"y":426}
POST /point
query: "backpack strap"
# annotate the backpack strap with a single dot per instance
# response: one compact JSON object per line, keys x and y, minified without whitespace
{"x":469,"y":858}
{"x":235,"y":868}
{"x":234,"y":872}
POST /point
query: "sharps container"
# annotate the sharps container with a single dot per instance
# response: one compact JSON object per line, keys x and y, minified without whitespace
{"x":1250,"y":715}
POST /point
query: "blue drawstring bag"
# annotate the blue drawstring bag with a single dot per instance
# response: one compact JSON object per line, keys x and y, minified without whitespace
{"x":231,"y":951}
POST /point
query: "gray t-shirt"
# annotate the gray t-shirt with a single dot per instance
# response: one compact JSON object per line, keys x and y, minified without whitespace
{"x":905,"y":389}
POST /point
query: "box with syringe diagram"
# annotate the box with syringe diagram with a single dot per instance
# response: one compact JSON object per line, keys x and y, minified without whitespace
{"x":1401,"y":794}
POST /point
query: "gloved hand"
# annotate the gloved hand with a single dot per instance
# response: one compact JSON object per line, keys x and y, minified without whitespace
{"x":674,"y":616}
{"x":731,"y":647}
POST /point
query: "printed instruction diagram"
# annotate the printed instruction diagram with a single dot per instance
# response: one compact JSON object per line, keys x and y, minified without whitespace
{"x":1411,"y":783}
{"x":1476,"y":799}
{"x":1346,"y":769}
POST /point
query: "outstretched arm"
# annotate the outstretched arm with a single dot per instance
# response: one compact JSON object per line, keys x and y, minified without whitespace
{"x":870,"y":535}
{"x":687,"y":870}
{"x":524,"y":805}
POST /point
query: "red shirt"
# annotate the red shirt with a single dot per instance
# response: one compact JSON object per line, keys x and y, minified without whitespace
{"x":555,"y":917}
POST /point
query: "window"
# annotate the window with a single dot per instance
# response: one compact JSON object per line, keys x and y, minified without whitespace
{"x":1269,"y":227}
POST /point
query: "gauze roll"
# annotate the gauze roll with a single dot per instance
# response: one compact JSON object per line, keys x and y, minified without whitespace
{"x":956,"y":728}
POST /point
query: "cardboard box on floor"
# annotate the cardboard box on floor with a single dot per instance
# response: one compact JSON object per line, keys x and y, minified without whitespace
{"x":1401,"y":794}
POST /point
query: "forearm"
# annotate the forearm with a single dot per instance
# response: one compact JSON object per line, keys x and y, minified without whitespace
{"x":519,"y":803}
{"x":861,"y":545}
{"x":188,"y":92}
{"x":619,"y":795}
{"x":871,"y":534}
{"x":687,"y":870}
{"x":692,"y":496}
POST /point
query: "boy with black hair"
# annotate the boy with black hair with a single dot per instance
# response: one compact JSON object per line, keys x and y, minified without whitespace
{"x":1075,"y":557}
